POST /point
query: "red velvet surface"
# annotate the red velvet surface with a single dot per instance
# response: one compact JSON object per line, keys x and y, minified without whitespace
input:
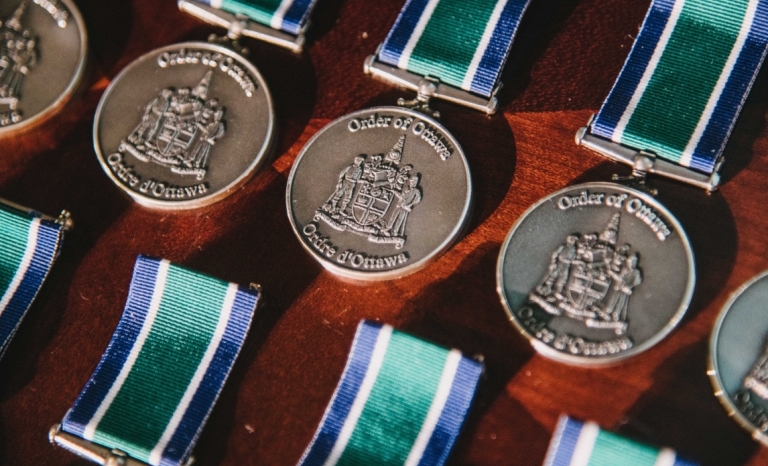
{"x":564,"y":62}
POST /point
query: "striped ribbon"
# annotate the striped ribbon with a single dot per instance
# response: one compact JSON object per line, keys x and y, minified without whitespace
{"x":584,"y":444}
{"x":686,"y":79}
{"x":290,"y":16}
{"x":166,"y":364}
{"x":463,"y":44}
{"x":400,"y":401}
{"x":28,"y":247}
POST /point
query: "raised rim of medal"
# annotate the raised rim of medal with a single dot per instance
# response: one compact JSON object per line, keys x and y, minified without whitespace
{"x":598,"y":361}
{"x":712,"y":367}
{"x":57,"y":105}
{"x":392,"y":274}
{"x":259,"y":159}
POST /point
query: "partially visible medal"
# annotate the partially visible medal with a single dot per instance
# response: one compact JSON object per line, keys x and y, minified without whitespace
{"x":596,"y":273}
{"x":582,"y":296}
{"x":43,"y":50}
{"x":738,"y":357}
{"x":382,"y":192}
{"x":185,"y":125}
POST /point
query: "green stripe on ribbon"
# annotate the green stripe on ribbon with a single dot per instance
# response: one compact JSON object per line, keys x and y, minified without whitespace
{"x":143,"y":407}
{"x":686,"y":76}
{"x":14,"y":236}
{"x":404,"y":390}
{"x":447,"y":46}
{"x":261,"y":11}
{"x":613,"y":450}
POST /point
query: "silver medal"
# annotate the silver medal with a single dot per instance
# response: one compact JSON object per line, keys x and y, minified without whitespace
{"x":43,"y":49}
{"x":738,"y":360}
{"x":185,"y":125}
{"x":596,"y":273}
{"x":379,"y":193}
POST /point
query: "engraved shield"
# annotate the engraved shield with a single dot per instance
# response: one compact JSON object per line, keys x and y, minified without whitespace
{"x":586,"y":286}
{"x":371,"y":204}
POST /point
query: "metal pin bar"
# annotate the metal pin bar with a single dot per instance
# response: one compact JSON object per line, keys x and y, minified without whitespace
{"x":64,"y":219}
{"x":645,"y":162}
{"x":408,"y":80}
{"x":92,"y":452}
{"x":252,"y":29}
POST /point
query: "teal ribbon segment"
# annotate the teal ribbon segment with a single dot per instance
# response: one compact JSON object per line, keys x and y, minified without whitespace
{"x":585,"y":444}
{"x":463,"y":44}
{"x":686,"y":79}
{"x":400,"y":401}
{"x":291,"y":16}
{"x":173,"y":349}
{"x":28,"y":247}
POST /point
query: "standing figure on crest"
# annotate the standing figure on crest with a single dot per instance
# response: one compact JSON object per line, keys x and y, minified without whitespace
{"x":623,"y":283}
{"x":559,"y":267}
{"x":407,"y":199}
{"x":152,"y":120}
{"x":348,"y":178}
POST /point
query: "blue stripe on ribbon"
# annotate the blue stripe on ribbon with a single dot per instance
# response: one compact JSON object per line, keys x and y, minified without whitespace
{"x":735,"y":93}
{"x":126,"y":334}
{"x":453,"y":415}
{"x":402,"y":31}
{"x":297,"y":16}
{"x":634,"y":68}
{"x":563,"y":442}
{"x":489,"y":70}
{"x":180,"y":446}
{"x":49,"y":236}
{"x":341,"y":403}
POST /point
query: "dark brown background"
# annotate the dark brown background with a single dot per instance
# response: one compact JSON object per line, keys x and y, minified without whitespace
{"x":567,"y":55}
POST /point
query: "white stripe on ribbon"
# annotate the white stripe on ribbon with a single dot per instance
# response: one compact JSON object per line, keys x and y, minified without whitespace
{"x":618,"y":133}
{"x":438,"y":403}
{"x":746,"y":27}
{"x":666,"y":457}
{"x":226,"y":312}
{"x":483,"y":45}
{"x":157,"y":295}
{"x":426,"y":15}
{"x":585,"y":444}
{"x":277,"y":19}
{"x":377,"y":359}
{"x":217,"y":4}
{"x":26,"y":261}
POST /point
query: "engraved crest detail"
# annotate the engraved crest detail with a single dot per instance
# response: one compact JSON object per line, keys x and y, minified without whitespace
{"x":757,"y":379}
{"x":373,"y":197}
{"x":178,"y":129}
{"x":591,"y":280}
{"x":18,"y":54}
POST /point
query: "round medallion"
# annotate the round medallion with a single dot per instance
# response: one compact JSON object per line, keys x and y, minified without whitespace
{"x":738,"y":359}
{"x":379,"y":193}
{"x":43,"y":49}
{"x":184,"y":126}
{"x":596,"y":273}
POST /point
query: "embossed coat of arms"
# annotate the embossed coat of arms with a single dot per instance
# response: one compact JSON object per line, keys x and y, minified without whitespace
{"x":178,"y":129}
{"x":591,"y":280}
{"x":18,"y":54}
{"x":373,"y":197}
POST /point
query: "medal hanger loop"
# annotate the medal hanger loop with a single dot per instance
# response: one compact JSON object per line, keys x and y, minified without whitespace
{"x":232,"y":39}
{"x":428,"y":86}
{"x":95,"y":453}
{"x":644,"y":163}
{"x":242,"y":26}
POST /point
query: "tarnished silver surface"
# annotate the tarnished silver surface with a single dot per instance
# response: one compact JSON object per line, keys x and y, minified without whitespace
{"x":596,"y":273}
{"x":379,"y":193}
{"x":43,"y":49}
{"x":185,"y":125}
{"x":738,"y":358}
